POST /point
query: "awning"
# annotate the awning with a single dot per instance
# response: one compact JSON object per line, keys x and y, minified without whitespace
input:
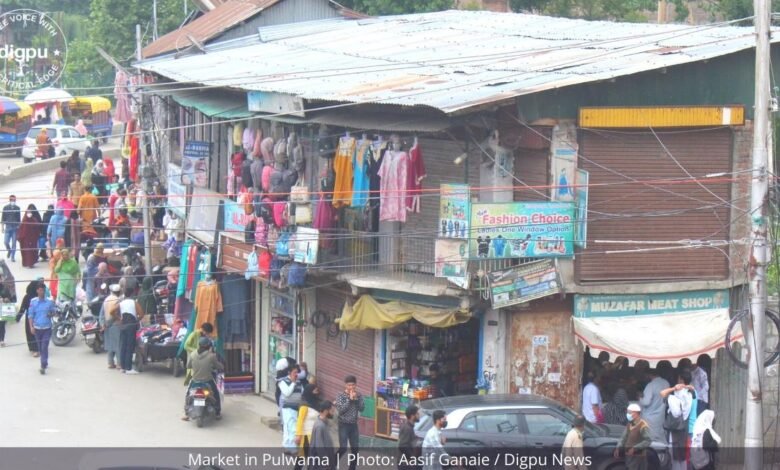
{"x":654,"y":338}
{"x":214,"y":104}
{"x":368,"y":314}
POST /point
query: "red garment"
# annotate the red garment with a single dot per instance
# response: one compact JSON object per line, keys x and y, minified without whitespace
{"x":236,"y":161}
{"x":62,"y":180}
{"x":134,"y":158}
{"x":414,"y":175}
{"x":110,"y":170}
{"x":66,"y":206}
{"x":192,"y":263}
{"x":111,"y":204}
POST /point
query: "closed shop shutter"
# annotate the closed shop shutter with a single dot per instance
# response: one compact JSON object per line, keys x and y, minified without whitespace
{"x":335,"y":363}
{"x":620,"y":209}
{"x":531,"y":167}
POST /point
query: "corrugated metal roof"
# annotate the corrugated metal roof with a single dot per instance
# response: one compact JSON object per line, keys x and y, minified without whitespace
{"x":450,"y":60}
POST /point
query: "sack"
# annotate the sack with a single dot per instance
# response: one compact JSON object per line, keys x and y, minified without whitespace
{"x":283,"y":244}
{"x":8,"y":312}
{"x":264,"y":263}
{"x":303,"y":214}
{"x":296,"y":277}
{"x":299,"y":193}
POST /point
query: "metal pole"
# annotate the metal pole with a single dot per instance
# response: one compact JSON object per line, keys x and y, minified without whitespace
{"x":759,"y":247}
{"x":154,"y":20}
{"x":147,"y":220}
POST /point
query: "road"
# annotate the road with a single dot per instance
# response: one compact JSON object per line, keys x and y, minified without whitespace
{"x":80,"y":402}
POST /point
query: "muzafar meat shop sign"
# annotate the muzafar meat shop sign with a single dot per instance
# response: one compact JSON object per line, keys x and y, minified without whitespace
{"x":589,"y":306}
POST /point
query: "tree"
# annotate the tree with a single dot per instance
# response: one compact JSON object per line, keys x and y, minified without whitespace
{"x":397,"y":7}
{"x":735,"y":9}
{"x":618,"y":10}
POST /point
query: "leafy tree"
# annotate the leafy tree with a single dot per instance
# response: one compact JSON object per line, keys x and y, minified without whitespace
{"x":620,"y":10}
{"x":735,"y":9}
{"x":397,"y":7}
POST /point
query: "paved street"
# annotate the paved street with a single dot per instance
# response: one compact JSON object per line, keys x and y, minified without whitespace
{"x":80,"y":402}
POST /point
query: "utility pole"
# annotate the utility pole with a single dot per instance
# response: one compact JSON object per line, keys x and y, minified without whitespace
{"x":145,"y":185}
{"x":154,"y":20}
{"x":759,"y":246}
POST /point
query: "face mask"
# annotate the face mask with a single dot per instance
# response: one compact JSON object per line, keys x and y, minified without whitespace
{"x":13,"y":203}
{"x":629,"y":417}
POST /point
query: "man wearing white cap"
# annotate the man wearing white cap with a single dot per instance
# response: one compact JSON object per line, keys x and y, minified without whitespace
{"x":635,"y":440}
{"x":109,"y":320}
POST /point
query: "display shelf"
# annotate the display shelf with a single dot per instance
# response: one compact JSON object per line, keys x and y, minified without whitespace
{"x":387,"y":422}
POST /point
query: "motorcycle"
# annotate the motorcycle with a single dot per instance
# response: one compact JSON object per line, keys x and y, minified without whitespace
{"x":201,"y":403}
{"x":90,"y":325}
{"x":64,"y":322}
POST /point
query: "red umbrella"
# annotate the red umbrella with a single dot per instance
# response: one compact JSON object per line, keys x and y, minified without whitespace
{"x":8,"y":105}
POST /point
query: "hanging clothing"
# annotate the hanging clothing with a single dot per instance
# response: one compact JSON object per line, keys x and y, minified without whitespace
{"x":378,"y":152}
{"x":392,"y":205}
{"x":181,"y":287}
{"x":248,"y":139}
{"x":135,"y":157}
{"x":360,"y":180}
{"x":342,"y":166}
{"x":208,"y":303}
{"x":236,"y":329}
{"x":414,"y":176}
{"x":324,"y":219}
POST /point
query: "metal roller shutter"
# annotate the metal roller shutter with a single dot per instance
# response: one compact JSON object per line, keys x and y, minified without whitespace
{"x":625,"y":210}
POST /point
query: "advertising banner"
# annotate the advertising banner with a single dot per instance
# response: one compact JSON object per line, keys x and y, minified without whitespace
{"x":195,"y":163}
{"x":581,"y":232}
{"x":454,"y":211}
{"x":522,"y":230}
{"x":452,"y":261}
{"x":523,"y":283}
{"x":589,"y":306}
{"x":307,"y":242}
{"x":236,"y":218}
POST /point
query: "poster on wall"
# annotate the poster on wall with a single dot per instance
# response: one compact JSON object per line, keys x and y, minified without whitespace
{"x":581,"y":232}
{"x":563,"y":153}
{"x":236,"y":219}
{"x":522,"y":230}
{"x":195,"y":163}
{"x":454,"y":211}
{"x":177,"y":198}
{"x":307,"y":242}
{"x":452,"y":261}
{"x":523,"y":283}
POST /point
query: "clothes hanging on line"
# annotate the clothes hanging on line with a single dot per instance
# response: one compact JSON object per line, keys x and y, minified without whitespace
{"x":342,"y":166}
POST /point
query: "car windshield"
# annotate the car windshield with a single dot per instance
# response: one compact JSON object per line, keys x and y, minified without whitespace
{"x":33,"y":134}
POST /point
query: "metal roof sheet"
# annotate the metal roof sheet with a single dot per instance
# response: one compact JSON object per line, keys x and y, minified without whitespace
{"x":449,"y":60}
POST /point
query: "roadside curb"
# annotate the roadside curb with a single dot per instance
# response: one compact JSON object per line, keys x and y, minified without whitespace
{"x":43,"y":166}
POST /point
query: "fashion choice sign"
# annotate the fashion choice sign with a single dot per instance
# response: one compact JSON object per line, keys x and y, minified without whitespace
{"x":588,"y":306}
{"x":522,"y":230}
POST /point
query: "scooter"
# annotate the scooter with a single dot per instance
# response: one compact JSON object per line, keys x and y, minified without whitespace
{"x":201,"y":403}
{"x":90,"y":325}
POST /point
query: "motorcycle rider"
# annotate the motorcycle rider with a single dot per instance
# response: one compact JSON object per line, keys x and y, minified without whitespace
{"x":203,"y":364}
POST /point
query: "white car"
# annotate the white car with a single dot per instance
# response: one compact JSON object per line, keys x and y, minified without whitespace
{"x":65,"y":140}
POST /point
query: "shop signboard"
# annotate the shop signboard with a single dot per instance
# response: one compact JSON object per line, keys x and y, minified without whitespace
{"x":203,"y":221}
{"x":307,"y":242}
{"x":452,"y":261}
{"x":590,"y":306}
{"x":581,"y":231}
{"x":236,"y":219}
{"x":523,"y":283}
{"x":454,"y":211}
{"x":275,"y":103}
{"x":522,"y":230}
{"x":195,"y":163}
{"x":177,"y":198}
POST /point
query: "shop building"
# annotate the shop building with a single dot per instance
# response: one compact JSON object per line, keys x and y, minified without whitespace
{"x":585,"y":185}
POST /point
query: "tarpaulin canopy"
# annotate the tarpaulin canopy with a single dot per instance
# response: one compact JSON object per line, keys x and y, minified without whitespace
{"x":8,"y":105}
{"x":654,"y":338}
{"x":368,"y":314}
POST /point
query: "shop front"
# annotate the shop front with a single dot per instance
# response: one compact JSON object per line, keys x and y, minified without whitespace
{"x":422,"y":352}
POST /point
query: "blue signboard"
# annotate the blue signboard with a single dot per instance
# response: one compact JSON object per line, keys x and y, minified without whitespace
{"x":236,"y":218}
{"x":196,"y":149}
{"x":589,"y":306}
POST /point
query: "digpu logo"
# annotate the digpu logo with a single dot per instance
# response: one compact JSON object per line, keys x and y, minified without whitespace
{"x":33,"y":51}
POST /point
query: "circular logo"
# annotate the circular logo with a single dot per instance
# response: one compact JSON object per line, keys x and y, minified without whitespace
{"x":33,"y":51}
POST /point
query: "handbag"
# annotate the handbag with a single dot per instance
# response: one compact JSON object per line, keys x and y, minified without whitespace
{"x":674,"y":423}
{"x":303,"y":214}
{"x":8,"y":312}
{"x":264,"y":263}
{"x":283,"y":244}
{"x":299,"y":193}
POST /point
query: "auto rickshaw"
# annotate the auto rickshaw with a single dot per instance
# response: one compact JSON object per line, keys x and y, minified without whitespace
{"x":95,"y":111}
{"x":15,"y":121}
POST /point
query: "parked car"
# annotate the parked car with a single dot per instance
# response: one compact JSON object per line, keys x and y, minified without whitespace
{"x":65,"y":139}
{"x":522,"y":431}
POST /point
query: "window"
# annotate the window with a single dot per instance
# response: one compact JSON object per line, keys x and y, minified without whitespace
{"x":493,"y":422}
{"x":543,"y":424}
{"x":72,"y":133}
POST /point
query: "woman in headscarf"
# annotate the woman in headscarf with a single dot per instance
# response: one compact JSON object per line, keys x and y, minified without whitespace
{"x":56,"y":256}
{"x":99,"y":179}
{"x":704,"y":442}
{"x":30,"y":294}
{"x":110,"y":170}
{"x":44,"y":227}
{"x":308,"y":414}
{"x":74,"y":164}
{"x":81,"y":128}
{"x":43,"y":142}
{"x":86,"y":175}
{"x":147,"y":300}
{"x":29,"y":234}
{"x":615,"y":410}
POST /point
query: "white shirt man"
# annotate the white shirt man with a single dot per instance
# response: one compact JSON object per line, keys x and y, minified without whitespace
{"x":591,"y":402}
{"x":701,"y":383}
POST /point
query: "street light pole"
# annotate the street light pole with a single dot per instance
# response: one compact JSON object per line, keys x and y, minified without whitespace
{"x":759,"y":247}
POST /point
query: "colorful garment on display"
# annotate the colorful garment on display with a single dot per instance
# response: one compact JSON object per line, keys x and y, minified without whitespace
{"x":324,"y":218}
{"x":181,"y":287}
{"x":414,"y":176}
{"x":248,"y":139}
{"x":378,"y":151}
{"x":361,"y":182}
{"x":392,"y":207}
{"x":342,"y":165}
{"x":135,"y":157}
{"x":208,"y":303}
{"x":235,"y":333}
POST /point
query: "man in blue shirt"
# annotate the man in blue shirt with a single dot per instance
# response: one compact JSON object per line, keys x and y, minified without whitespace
{"x":40,"y":313}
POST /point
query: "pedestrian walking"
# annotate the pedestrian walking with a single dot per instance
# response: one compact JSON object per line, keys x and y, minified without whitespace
{"x":131,"y":314}
{"x":24,"y":311}
{"x":635,"y":440}
{"x":290,"y":396}
{"x":94,"y":153}
{"x":11,"y":220}
{"x":43,"y":247}
{"x":653,"y":406}
{"x":349,"y":404}
{"x":322,"y":449}
{"x":92,"y":268}
{"x":704,"y":443}
{"x":680,"y":403}
{"x":433,"y":445}
{"x":40,"y":313}
{"x":29,"y":234}
{"x":73,"y":234}
{"x":88,"y":208}
{"x":68,"y":274}
{"x":110,"y":321}
{"x":308,"y":413}
{"x":62,"y":179}
{"x":76,"y":189}
{"x":406,"y":437}
{"x":572,"y":450}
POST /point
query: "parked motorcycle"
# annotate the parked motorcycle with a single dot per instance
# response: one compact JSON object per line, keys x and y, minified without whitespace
{"x":64,"y":322}
{"x":201,"y":403}
{"x":90,"y":325}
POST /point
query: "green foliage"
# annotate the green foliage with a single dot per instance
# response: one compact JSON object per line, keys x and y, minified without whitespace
{"x":620,"y":10}
{"x":397,"y":7}
{"x":735,"y":9}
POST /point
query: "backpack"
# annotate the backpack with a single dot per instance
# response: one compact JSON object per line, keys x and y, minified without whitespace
{"x":283,"y":244}
{"x":267,"y":150}
{"x":296,"y":276}
{"x":264,"y":209}
{"x":280,"y":151}
{"x":280,"y":213}
{"x":672,"y":423}
{"x":261,"y":232}
{"x":266,"y":179}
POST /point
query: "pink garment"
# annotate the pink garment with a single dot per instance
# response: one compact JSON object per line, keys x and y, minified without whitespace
{"x":414,"y":177}
{"x":81,"y":128}
{"x":266,"y":179}
{"x":280,"y":209}
{"x":392,"y":187}
{"x":324,"y":218}
{"x":248,"y":139}
{"x":122,"y":111}
{"x":66,"y":206}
